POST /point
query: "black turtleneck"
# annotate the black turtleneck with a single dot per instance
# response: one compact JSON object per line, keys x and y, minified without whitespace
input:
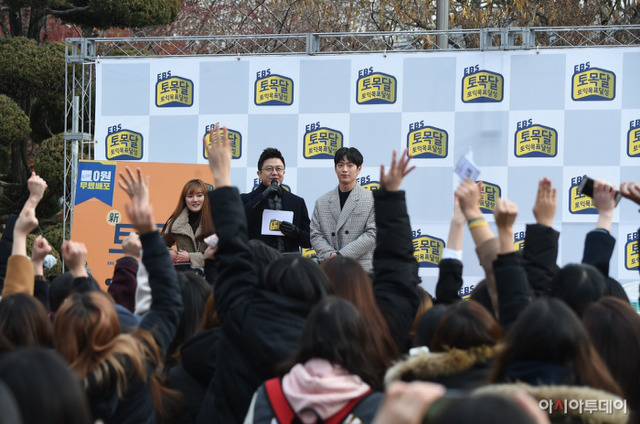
{"x":194,"y":220}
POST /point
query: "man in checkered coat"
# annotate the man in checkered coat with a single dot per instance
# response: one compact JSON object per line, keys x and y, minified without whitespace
{"x":343,"y":221}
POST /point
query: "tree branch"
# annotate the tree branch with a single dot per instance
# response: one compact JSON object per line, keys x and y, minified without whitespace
{"x":67,"y":11}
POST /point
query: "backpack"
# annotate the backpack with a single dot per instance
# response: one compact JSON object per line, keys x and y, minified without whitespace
{"x":286,"y":415}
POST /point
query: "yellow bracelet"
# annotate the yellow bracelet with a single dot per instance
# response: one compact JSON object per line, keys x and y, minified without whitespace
{"x":477,"y":223}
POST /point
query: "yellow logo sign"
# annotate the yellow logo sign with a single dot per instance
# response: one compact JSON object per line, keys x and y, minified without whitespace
{"x":633,"y":139}
{"x":631,"y":257}
{"x":481,"y":86}
{"x":518,"y":241}
{"x":233,"y":136}
{"x":375,"y":87}
{"x":580,"y":204}
{"x":123,"y":144}
{"x":274,"y":225}
{"x":489,"y":195}
{"x":424,"y":141}
{"x":368,"y":183}
{"x":427,"y":249}
{"x":535,"y":141}
{"x":592,"y":84}
{"x":309,"y":253}
{"x":321,"y":142}
{"x":272,"y":89}
{"x":173,"y":91}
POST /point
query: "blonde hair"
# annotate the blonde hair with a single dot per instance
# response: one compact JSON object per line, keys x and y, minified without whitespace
{"x":87,"y":334}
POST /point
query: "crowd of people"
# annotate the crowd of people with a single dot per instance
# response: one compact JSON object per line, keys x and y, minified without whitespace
{"x":264,"y":336}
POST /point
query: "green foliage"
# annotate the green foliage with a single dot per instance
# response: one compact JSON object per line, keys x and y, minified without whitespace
{"x":124,"y":13}
{"x":33,"y":76}
{"x":54,"y":235}
{"x":14,"y":123}
{"x":49,"y":164}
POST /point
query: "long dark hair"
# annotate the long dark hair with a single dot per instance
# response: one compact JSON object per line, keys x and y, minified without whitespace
{"x":336,"y":332}
{"x":297,"y":278}
{"x":206,"y":221}
{"x":24,"y":321}
{"x":549,"y":331}
{"x":466,"y":325}
{"x":614,"y":327}
{"x":348,"y":280}
{"x":578,"y":285}
{"x":44,"y":388}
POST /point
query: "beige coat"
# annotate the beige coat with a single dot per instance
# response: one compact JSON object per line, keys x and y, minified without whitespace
{"x":184,"y":239}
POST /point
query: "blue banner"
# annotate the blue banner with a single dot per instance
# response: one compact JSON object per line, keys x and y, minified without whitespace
{"x":96,"y":180}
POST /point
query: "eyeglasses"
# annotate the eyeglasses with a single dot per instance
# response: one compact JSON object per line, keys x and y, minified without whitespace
{"x":270,"y":169}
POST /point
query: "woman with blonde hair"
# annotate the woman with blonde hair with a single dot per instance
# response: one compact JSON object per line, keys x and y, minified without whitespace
{"x":189,"y":224}
{"x":119,"y":371}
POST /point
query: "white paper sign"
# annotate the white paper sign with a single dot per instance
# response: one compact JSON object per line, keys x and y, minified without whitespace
{"x":271,"y":218}
{"x":466,"y":169}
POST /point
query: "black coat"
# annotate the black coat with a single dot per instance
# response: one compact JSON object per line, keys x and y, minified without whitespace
{"x":540,"y":254}
{"x":254,"y":205}
{"x":449,"y":281}
{"x":598,"y":249}
{"x":261,"y":329}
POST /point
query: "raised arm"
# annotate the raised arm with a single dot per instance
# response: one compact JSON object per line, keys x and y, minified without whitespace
{"x":540,"y":251}
{"x":20,"y":274}
{"x":599,"y":243}
{"x":166,"y":298}
{"x":511,"y":278}
{"x":395,"y":268}
{"x":450,"y":267}
{"x":468,"y":194}
{"x":237,"y":277}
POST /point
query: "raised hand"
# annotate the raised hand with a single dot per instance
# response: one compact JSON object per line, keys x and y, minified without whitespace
{"x":631,"y":191}
{"x":220,"y":156}
{"x":132,"y":246}
{"x":604,"y":197}
{"x":139,"y":209}
{"x":546,"y":202}
{"x":399,"y":169}
{"x":506,"y":213}
{"x":41,"y":248}
{"x":37,"y":187}
{"x":75,"y":257}
{"x":468,"y":195}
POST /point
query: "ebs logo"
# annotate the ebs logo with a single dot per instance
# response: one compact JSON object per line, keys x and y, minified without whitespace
{"x":533,"y":140}
{"x":427,"y":249}
{"x":631,"y":256}
{"x":369,"y":183}
{"x":375,"y":87}
{"x":580,"y":204}
{"x":321,"y":142}
{"x":592,"y":84}
{"x":173,"y":91}
{"x":481,"y":86}
{"x":123,"y":144}
{"x":633,"y":139}
{"x":425,"y":141}
{"x":272,"y":89}
{"x":233,"y":136}
{"x":489,"y":195}
{"x":518,"y":240}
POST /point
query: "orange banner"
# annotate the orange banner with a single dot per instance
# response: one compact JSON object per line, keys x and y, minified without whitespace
{"x":103,"y":226}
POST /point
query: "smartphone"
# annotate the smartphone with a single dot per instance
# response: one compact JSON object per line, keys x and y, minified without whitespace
{"x":586,"y":188}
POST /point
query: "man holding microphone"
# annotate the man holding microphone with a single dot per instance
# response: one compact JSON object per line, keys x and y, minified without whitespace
{"x":271,"y":195}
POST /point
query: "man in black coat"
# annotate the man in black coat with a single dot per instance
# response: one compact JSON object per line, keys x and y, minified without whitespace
{"x":271,"y":194}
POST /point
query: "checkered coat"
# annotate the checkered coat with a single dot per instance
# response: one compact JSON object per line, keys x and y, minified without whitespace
{"x":350,"y":231}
